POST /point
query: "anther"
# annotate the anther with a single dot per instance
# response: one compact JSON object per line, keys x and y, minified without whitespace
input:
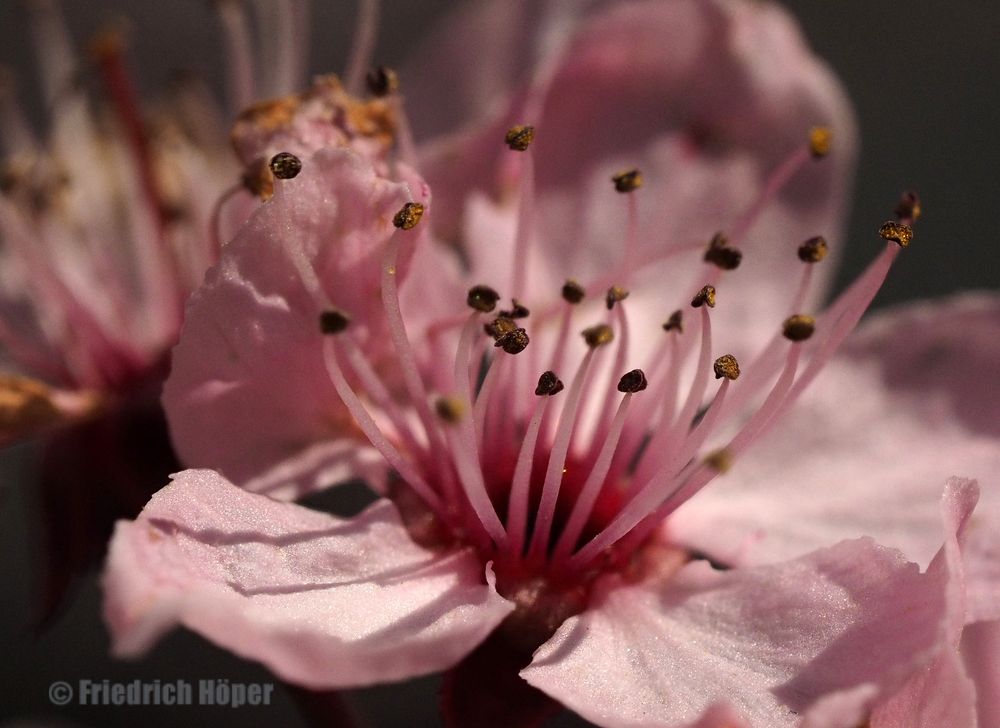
{"x":908,"y":207}
{"x":482,"y":298}
{"x":513,"y":342}
{"x":499,"y":326}
{"x":820,"y":139}
{"x":813,"y":250}
{"x":614,"y":295}
{"x":798,"y":327}
{"x":285,"y":165}
{"x":408,"y":216}
{"x":548,"y":384}
{"x":382,"y":81}
{"x":632,"y":382}
{"x":704,"y":297}
{"x":598,"y":335}
{"x":720,"y":460}
{"x":333,"y":321}
{"x":517,"y":310}
{"x":727,"y":366}
{"x":675,"y":322}
{"x":450,"y":409}
{"x":721,"y":254}
{"x":897,"y":232}
{"x":572,"y":292}
{"x":627,"y":181}
{"x":519,"y":137}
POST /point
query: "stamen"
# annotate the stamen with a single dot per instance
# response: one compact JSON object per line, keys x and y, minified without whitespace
{"x":704,"y":297}
{"x":382,"y":81}
{"x":482,"y":298}
{"x":499,"y":327}
{"x":614,"y":295}
{"x":632,"y":382}
{"x":333,"y":321}
{"x":557,"y":458}
{"x":813,"y":250}
{"x":798,"y":327}
{"x":517,"y":509}
{"x":720,"y":460}
{"x":820,"y":141}
{"x":598,"y":335}
{"x":572,"y":292}
{"x":591,"y":489}
{"x":518,"y":310}
{"x":519,"y":138}
{"x":513,"y":342}
{"x":675,"y":322}
{"x":897,"y":232}
{"x":548,"y":384}
{"x":727,"y":366}
{"x":627,"y":181}
{"x":285,"y":165}
{"x":408,"y":216}
{"x":721,"y":254}
{"x":450,"y":409}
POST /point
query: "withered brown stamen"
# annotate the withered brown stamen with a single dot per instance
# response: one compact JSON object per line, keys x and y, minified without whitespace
{"x":499,"y":326}
{"x":704,"y":297}
{"x":598,"y":335}
{"x":721,"y":254}
{"x":333,"y":321}
{"x":285,"y":165}
{"x":727,"y":366}
{"x":519,"y":137}
{"x":908,"y":207}
{"x":450,"y":409}
{"x":632,"y":382}
{"x":572,"y":292}
{"x":720,"y":460}
{"x":517,"y":310}
{"x":408,"y":216}
{"x":513,"y":342}
{"x":382,"y":81}
{"x":820,"y":141}
{"x":813,"y":250}
{"x":627,"y":181}
{"x":482,"y":298}
{"x":614,"y":295}
{"x":798,"y":327}
{"x":675,"y":322}
{"x":897,"y":232}
{"x":548,"y":384}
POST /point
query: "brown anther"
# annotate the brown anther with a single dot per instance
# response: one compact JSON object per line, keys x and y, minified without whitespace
{"x":627,"y":181}
{"x":408,"y":217}
{"x":572,"y":292}
{"x":704,"y":297}
{"x":25,"y":405}
{"x":285,"y":165}
{"x":614,"y":295}
{"x":675,"y":322}
{"x":813,"y":250}
{"x":721,"y":254}
{"x":258,"y":179}
{"x":499,"y":326}
{"x":513,"y":342}
{"x":798,"y":327}
{"x":548,"y":384}
{"x":897,"y":232}
{"x":727,"y":366}
{"x":517,"y":310}
{"x":519,"y":137}
{"x":382,"y":81}
{"x":598,"y":335}
{"x":632,"y":382}
{"x":482,"y":298}
{"x":333,"y":321}
{"x":820,"y":140}
{"x":720,"y":460}
{"x":450,"y":409}
{"x":908,"y":207}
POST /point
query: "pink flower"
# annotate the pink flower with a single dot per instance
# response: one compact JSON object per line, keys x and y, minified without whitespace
{"x":535,"y":532}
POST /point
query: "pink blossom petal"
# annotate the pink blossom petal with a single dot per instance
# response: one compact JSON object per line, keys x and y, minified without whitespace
{"x":323,"y":602}
{"x":938,"y":694}
{"x":249,"y":392}
{"x":769,"y":640}
{"x":708,"y":98}
{"x":908,"y":403}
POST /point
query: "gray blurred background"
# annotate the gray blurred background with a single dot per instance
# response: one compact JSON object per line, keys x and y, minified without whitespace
{"x":923,"y":77}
